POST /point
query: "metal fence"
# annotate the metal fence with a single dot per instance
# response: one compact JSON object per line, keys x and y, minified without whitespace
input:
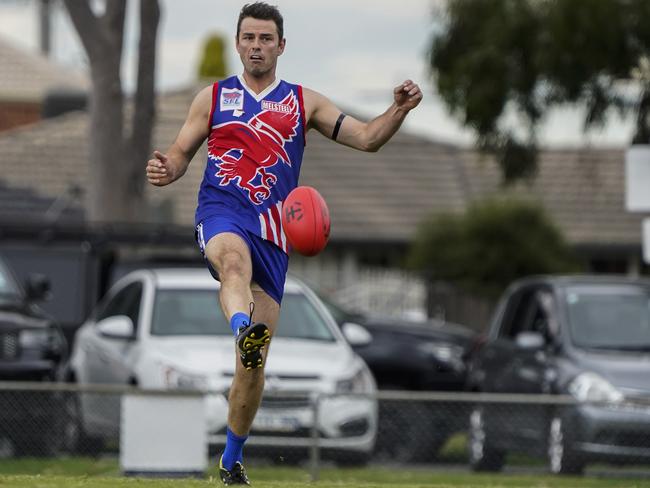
{"x":484,"y":432}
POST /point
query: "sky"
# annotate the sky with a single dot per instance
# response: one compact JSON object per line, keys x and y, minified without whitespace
{"x":352,"y":51}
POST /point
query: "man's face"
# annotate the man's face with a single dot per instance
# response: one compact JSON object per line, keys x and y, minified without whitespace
{"x":258,"y":46}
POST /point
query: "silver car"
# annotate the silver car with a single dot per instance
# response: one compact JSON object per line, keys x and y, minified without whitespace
{"x":163,"y":328}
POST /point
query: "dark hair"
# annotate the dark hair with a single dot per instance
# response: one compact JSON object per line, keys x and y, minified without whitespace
{"x":262,"y":11}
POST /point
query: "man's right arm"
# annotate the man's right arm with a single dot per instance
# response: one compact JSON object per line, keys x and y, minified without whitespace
{"x":163,"y":169}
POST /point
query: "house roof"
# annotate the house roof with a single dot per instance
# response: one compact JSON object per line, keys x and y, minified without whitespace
{"x":582,"y":189}
{"x":372,"y":197}
{"x":25,"y":76}
{"x":31,"y":205}
{"x":382,"y":196}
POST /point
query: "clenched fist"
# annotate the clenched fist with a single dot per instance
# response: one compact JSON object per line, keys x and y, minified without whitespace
{"x":407,"y":95}
{"x":159,"y":171}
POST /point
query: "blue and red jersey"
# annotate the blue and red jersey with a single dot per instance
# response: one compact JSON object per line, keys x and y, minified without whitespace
{"x":255,"y":150}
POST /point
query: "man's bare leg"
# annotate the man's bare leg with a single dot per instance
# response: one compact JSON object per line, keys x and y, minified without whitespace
{"x":245,"y":397}
{"x":230,"y":257}
{"x":247,"y":386}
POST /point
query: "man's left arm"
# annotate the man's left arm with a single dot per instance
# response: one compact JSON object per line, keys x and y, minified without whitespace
{"x":327,"y":119}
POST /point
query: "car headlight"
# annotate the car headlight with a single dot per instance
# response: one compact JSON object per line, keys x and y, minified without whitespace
{"x":174,"y":378}
{"x":361,"y":382}
{"x":591,"y":387}
{"x":445,"y":352}
{"x":33,"y":338}
{"x":45,"y":339}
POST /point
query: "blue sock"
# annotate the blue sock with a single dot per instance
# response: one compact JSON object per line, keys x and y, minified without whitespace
{"x":233,"y":451}
{"x":238,"y":320}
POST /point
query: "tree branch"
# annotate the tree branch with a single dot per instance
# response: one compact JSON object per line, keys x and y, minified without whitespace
{"x":86,"y":24}
{"x":113,"y":23}
{"x":144,"y":114}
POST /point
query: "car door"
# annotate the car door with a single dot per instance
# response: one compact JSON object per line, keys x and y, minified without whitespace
{"x":106,"y":356}
{"x":114,"y":352}
{"x":500,"y":354}
{"x":520,"y":364}
{"x":101,"y":349}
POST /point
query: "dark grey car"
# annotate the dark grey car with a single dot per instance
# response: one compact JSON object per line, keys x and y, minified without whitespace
{"x":32,"y":348}
{"x":587,"y":337}
{"x":435,"y":362}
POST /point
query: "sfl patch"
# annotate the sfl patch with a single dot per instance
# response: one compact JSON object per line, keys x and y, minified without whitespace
{"x":231,"y":99}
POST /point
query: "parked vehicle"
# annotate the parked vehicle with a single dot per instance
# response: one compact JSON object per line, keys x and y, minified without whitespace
{"x":32,"y":348}
{"x":413,"y":356}
{"x":162,"y":328}
{"x":588,"y":337}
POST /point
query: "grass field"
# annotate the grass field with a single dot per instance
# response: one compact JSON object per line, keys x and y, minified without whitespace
{"x":87,"y":473}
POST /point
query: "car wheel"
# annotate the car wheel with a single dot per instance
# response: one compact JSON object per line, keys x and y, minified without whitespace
{"x":426,"y":443}
{"x":561,"y":458}
{"x":410,"y":432}
{"x":389,"y":427}
{"x":74,"y":438}
{"x":482,"y":455}
{"x":71,"y":425}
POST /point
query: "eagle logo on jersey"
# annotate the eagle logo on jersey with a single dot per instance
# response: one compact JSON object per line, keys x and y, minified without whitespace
{"x":255,"y":146}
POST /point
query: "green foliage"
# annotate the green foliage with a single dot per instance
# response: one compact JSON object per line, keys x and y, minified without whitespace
{"x":494,"y":57}
{"x":493,"y":243}
{"x":213,"y":62}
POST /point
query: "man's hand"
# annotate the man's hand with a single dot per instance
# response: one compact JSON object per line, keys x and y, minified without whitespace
{"x":159,"y":171}
{"x":407,"y":95}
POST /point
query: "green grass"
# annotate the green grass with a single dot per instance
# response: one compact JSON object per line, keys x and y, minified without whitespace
{"x":53,"y":467}
{"x":89,"y":473}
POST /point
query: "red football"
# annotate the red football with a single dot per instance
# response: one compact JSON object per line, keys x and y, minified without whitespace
{"x":306,"y":220}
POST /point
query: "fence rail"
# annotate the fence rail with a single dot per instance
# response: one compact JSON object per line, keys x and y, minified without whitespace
{"x":430,"y":396}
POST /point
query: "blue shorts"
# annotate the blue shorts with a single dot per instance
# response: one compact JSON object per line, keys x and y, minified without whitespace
{"x":270,"y":263}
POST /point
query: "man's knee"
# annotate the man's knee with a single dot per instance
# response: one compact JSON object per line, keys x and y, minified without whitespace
{"x":231,"y":264}
{"x":229,"y":256}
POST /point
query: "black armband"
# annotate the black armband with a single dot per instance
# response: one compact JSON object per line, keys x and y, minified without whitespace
{"x":337,"y":126}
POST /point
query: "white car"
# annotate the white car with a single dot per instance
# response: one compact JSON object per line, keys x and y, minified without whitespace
{"x":163,"y":328}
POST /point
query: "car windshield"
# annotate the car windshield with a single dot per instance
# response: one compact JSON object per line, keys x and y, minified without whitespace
{"x":607,"y":317}
{"x":7,"y":284}
{"x":197,"y":312}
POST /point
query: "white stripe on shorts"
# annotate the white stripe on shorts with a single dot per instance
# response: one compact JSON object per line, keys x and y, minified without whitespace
{"x":274,"y":227}
{"x":263,"y":226}
{"x":199,"y":229}
{"x":283,"y":237}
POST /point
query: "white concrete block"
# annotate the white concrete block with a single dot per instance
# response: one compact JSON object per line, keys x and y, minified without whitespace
{"x":163,"y":435}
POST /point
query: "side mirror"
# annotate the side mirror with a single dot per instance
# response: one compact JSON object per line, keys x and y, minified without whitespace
{"x":356,"y":334}
{"x":37,"y":287}
{"x":117,"y":327}
{"x":530,"y":341}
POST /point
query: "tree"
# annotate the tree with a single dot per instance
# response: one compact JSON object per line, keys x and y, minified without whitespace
{"x":119,"y":150}
{"x":492,"y":244}
{"x":213,"y":62}
{"x":492,"y":57}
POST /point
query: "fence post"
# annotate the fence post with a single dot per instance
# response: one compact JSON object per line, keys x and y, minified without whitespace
{"x":314,"y":450}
